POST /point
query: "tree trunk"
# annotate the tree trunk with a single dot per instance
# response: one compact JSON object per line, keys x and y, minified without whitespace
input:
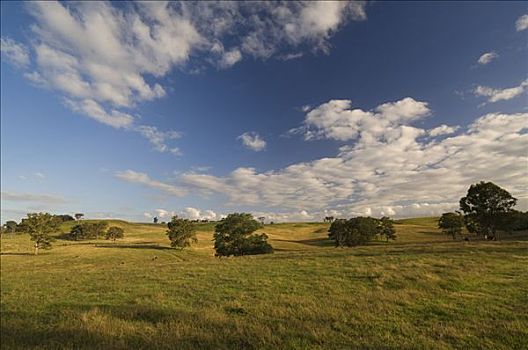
{"x":36,"y":248}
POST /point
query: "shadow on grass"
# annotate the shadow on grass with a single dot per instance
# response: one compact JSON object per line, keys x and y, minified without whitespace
{"x":93,"y":327}
{"x":317,"y":242}
{"x":133,"y":246}
{"x":8,"y":253}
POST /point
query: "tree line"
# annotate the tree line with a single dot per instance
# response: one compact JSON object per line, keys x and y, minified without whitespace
{"x":485,"y":211}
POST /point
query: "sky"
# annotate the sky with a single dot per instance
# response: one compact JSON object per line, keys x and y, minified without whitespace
{"x":292,"y":111}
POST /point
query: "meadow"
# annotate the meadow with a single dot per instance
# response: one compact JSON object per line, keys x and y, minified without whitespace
{"x":422,"y":291}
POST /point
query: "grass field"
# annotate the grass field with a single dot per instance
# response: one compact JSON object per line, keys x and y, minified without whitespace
{"x":422,"y":291}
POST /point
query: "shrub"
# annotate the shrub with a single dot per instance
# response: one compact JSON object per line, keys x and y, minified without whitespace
{"x":233,"y":236}
{"x":114,"y":233}
{"x":181,"y":232}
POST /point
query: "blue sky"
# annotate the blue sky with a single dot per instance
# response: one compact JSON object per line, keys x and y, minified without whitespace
{"x":291,"y":111}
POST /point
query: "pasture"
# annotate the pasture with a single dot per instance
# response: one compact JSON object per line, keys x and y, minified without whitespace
{"x":421,"y":291}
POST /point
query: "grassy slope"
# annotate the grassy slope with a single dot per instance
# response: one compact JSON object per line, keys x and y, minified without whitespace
{"x":422,"y":291}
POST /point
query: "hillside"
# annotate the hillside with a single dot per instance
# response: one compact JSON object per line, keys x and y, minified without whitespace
{"x":421,"y":291}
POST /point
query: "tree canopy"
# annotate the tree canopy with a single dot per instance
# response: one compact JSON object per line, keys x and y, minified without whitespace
{"x":451,"y":224}
{"x":234,"y":236}
{"x":484,"y":207}
{"x":181,"y":232}
{"x":39,"y":226}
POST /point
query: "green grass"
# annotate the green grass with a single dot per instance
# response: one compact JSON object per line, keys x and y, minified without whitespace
{"x":422,"y":291}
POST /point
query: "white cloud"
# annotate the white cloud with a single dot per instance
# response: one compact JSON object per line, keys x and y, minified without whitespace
{"x":105,"y":59}
{"x":521,"y":23}
{"x":487,"y":57}
{"x":495,"y":95}
{"x":16,"y":53}
{"x":337,"y":120}
{"x":32,"y":197}
{"x":94,"y":110}
{"x":229,"y":58}
{"x":252,"y":141}
{"x":158,"y":138}
{"x":144,"y":179}
{"x":197,"y":214}
{"x":442,"y":130}
{"x":391,"y":172}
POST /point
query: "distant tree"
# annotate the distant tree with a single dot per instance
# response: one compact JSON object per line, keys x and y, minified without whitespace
{"x":484,"y":207}
{"x":11,"y":226}
{"x":234,"y":236}
{"x":328,"y":219}
{"x":261,"y":219}
{"x":386,"y":228}
{"x":88,"y":230}
{"x":181,"y":232}
{"x":39,"y":226}
{"x":353,"y":232}
{"x":451,"y":224}
{"x":114,"y":233}
{"x":64,"y":217}
{"x":155,"y":220}
{"x":79,"y":216}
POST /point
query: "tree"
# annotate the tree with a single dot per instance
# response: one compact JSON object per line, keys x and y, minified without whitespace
{"x":451,"y":224}
{"x":64,"y":217}
{"x":234,"y":236}
{"x":79,"y":216}
{"x":261,"y":219}
{"x":386,"y":228}
{"x":181,"y":232}
{"x":354,"y":231}
{"x":39,"y":226}
{"x":88,"y":230}
{"x":155,"y":219}
{"x":114,"y":233}
{"x":11,"y":226}
{"x":484,"y":206}
{"x":328,"y":219}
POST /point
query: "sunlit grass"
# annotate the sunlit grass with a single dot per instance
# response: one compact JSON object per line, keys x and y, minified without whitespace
{"x":421,"y":291}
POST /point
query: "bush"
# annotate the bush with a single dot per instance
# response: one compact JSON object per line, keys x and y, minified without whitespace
{"x":233,"y":236}
{"x":88,"y":230}
{"x":181,"y":232}
{"x":114,"y":233}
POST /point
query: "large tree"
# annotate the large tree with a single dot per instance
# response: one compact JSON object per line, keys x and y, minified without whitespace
{"x":484,"y":207}
{"x":11,"y":226}
{"x":234,"y":236}
{"x":39,"y":226}
{"x":354,"y":231}
{"x":451,"y":224}
{"x":181,"y":232}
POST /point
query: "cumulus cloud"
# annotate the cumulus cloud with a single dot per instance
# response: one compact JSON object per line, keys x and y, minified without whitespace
{"x":252,"y":141}
{"x":336,"y":119}
{"x":105,"y":59}
{"x":487,"y":57}
{"x":144,"y":179}
{"x":521,"y":23}
{"x":388,"y":167}
{"x":197,"y":214}
{"x":16,"y":53}
{"x":32,"y":197}
{"x":394,"y":171}
{"x":442,"y":130}
{"x":495,"y":95}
